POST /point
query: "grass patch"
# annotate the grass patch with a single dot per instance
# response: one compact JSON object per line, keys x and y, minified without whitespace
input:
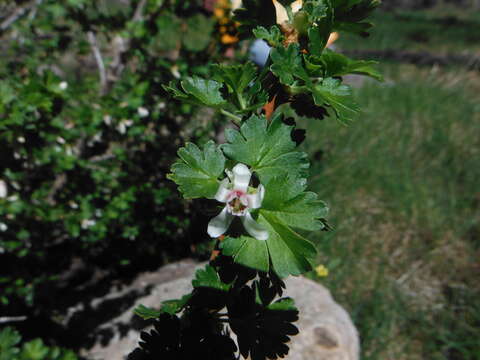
{"x":402,"y":182}
{"x":434,"y":30}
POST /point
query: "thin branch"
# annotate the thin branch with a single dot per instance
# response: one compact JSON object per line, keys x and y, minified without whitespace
{"x":236,"y":119}
{"x":58,"y":183}
{"x":138,"y":15}
{"x":33,"y":12}
{"x":121,"y":46}
{"x":100,"y":64}
{"x":17,"y":14}
{"x":7,"y":319}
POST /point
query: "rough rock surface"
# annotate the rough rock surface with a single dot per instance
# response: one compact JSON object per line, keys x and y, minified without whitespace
{"x":326,"y":330}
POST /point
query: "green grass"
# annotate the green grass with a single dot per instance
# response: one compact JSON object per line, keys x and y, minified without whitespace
{"x":402,"y":182}
{"x":429,"y":30}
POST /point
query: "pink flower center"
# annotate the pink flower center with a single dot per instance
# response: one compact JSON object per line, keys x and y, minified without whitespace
{"x":235,"y":204}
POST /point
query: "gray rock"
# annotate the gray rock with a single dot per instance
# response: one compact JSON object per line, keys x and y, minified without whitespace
{"x":326,"y":330}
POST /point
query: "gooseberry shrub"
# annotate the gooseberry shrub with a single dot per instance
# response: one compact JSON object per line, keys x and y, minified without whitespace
{"x":260,"y":177}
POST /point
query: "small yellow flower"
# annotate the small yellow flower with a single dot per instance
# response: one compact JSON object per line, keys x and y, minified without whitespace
{"x":228,"y":39}
{"x":321,"y":271}
{"x":219,"y":12}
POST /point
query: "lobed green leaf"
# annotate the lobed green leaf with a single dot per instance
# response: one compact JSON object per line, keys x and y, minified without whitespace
{"x":332,"y":64}
{"x":322,"y":15}
{"x":287,"y":64}
{"x":209,"y":278}
{"x":247,"y":251}
{"x":267,"y":148}
{"x":332,"y":92}
{"x":146,"y":313}
{"x":273,"y":36}
{"x":244,"y":91}
{"x":198,"y":91}
{"x":287,"y":200}
{"x":197,"y":171}
{"x":290,"y":253}
{"x":198,"y":31}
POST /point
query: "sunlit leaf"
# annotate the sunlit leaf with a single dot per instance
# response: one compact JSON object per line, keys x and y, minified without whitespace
{"x":267,"y":148}
{"x":196,"y":172}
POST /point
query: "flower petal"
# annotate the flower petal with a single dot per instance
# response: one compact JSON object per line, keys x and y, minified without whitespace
{"x":256,"y":230}
{"x":3,"y":189}
{"x":219,"y":224}
{"x":241,"y":177}
{"x":255,"y":200}
{"x":244,"y":200}
{"x":223,"y":191}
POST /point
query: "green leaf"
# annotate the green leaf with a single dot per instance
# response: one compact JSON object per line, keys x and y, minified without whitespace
{"x":287,"y":64}
{"x":237,"y":77}
{"x":333,"y":93}
{"x":34,"y":350}
{"x":321,"y":13}
{"x":247,"y":251}
{"x":169,"y":32}
{"x":244,"y":92}
{"x":331,"y":64}
{"x":198,"y":31}
{"x":9,"y":338}
{"x":169,"y":306}
{"x":197,"y":171}
{"x":206,"y":91}
{"x":290,"y":253}
{"x":174,"y":306}
{"x":198,"y":91}
{"x":146,"y":312}
{"x":273,"y":36}
{"x":286,"y":200}
{"x":267,"y":148}
{"x":209,"y":278}
{"x":255,"y":97}
{"x":283,"y":304}
{"x":317,"y":9}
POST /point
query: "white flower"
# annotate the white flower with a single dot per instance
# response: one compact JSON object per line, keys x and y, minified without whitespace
{"x":239,"y":199}
{"x":107,"y":119}
{"x":3,"y":189}
{"x":86,"y":223}
{"x":63,"y":85}
{"x":143,"y":112}
{"x":123,"y":125}
{"x":174,"y":70}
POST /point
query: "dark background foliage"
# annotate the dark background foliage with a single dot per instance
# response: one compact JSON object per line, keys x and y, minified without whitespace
{"x":87,"y":136}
